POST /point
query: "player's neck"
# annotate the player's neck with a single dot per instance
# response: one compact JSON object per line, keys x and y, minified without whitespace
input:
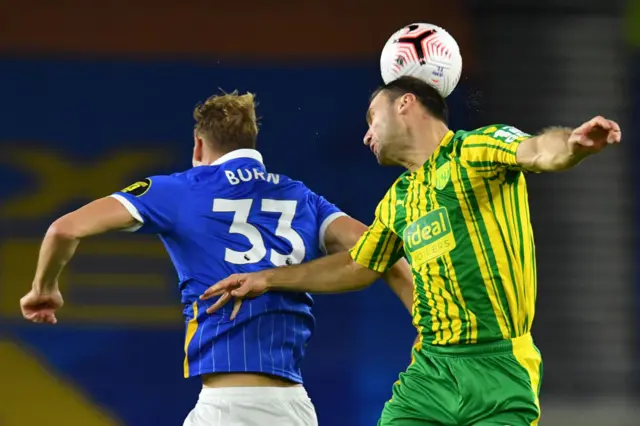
{"x":211,"y":156}
{"x":424,"y":140}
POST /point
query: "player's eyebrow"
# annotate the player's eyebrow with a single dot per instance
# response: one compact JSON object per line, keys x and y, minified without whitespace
{"x":368,"y":116}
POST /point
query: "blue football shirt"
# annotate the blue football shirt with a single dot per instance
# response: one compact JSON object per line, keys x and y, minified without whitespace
{"x":233,"y":217}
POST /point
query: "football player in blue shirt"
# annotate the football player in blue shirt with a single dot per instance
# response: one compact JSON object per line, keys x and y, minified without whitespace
{"x":226,"y":215}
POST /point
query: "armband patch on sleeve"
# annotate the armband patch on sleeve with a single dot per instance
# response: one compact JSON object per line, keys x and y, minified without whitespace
{"x":139,"y":188}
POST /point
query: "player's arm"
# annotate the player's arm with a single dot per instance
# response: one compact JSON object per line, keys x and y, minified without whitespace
{"x":560,"y":148}
{"x":339,"y":271}
{"x":374,"y":254}
{"x":555,"y":149}
{"x":343,"y":234}
{"x":317,"y":276}
{"x":64,"y":235}
{"x":145,"y":207}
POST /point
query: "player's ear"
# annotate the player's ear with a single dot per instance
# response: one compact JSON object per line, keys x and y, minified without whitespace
{"x":405,"y":101}
{"x":197,"y":150}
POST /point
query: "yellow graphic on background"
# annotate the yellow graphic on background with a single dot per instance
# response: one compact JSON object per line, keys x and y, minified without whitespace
{"x":18,"y":259}
{"x":129,"y":263}
{"x":31,"y":395}
{"x":59,"y":180}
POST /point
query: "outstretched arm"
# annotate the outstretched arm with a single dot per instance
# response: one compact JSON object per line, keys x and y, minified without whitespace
{"x":63,"y":236}
{"x":560,"y":148}
{"x":137,"y":207}
{"x":324,"y":275}
{"x":373,"y":255}
{"x":58,"y":247}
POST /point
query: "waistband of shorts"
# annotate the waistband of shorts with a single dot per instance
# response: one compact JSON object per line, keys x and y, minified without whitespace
{"x":493,"y":348}
{"x":253,"y":393}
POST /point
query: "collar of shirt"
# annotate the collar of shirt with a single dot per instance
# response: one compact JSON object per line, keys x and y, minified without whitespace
{"x":239,"y":153}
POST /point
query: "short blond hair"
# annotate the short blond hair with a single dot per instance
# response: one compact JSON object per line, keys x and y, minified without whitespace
{"x":227,"y":121}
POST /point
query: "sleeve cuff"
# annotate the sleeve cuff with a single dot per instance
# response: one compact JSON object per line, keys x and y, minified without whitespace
{"x":325,"y":225}
{"x":366,"y":263}
{"x":133,"y":211}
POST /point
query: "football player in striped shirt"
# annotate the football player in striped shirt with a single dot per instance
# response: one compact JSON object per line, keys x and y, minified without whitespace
{"x":228,"y":215}
{"x":460,"y":215}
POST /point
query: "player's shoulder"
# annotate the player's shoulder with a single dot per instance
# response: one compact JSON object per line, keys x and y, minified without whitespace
{"x":156,"y":184}
{"x":500,"y":132}
{"x":175,"y":180}
{"x":296,"y":187}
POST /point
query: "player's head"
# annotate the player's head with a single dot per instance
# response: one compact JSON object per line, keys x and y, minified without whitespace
{"x":396,"y":111}
{"x":224,"y":123}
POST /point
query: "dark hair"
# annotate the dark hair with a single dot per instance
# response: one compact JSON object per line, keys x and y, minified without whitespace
{"x":227,"y":121}
{"x":427,"y":95}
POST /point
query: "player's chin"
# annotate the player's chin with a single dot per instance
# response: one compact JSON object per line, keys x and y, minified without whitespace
{"x":384,"y":161}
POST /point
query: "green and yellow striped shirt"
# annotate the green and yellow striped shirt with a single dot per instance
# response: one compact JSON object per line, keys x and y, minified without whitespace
{"x":462,"y":221}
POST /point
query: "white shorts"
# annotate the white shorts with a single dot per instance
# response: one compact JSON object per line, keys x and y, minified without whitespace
{"x":253,"y":406}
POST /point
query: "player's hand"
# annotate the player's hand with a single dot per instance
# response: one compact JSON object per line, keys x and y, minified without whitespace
{"x":594,"y":135}
{"x":237,"y":304}
{"x":240,"y":286}
{"x":41,"y":307}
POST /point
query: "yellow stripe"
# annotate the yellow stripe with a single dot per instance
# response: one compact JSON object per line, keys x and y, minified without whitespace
{"x":416,"y":299}
{"x":491,"y":142}
{"x":439,"y":321}
{"x":192,"y":327}
{"x":424,"y":272}
{"x":478,"y":249}
{"x":454,"y":310}
{"x":507,"y":193}
{"x":447,"y":319}
{"x":384,"y":243}
{"x":527,"y":262}
{"x":365,"y":248}
{"x":479,"y":192}
{"x":529,"y":358}
{"x":388,"y":206}
{"x":363,"y":251}
{"x":496,"y":230}
{"x":517,"y":262}
{"x":471,"y":334}
{"x":519,"y":265}
{"x":495,"y":151}
{"x":416,"y":316}
{"x":524,"y":266}
{"x":415,"y":308}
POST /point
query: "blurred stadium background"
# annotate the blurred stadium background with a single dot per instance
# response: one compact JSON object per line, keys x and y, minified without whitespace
{"x":96,"y":95}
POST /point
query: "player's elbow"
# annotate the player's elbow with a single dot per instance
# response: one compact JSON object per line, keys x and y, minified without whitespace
{"x":546,"y":162}
{"x":64,"y":229}
{"x":362,"y":277}
{"x":547,"y":152}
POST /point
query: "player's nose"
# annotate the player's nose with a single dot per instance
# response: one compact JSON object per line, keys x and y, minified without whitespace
{"x":368,"y":137}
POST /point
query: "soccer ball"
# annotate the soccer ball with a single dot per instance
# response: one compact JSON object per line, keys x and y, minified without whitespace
{"x":424,"y":51}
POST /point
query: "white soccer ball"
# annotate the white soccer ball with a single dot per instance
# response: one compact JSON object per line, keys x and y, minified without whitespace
{"x":424,"y":51}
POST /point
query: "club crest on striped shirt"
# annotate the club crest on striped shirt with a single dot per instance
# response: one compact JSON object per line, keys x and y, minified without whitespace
{"x":443,"y":174}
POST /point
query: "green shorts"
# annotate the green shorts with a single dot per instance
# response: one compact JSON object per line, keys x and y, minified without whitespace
{"x":493,"y":384}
